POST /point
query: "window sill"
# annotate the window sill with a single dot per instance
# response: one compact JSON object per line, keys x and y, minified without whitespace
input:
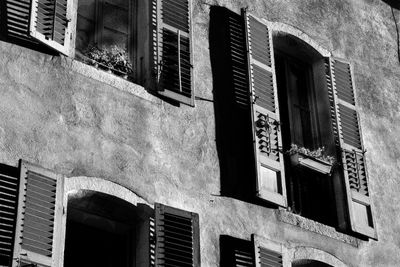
{"x":316,"y":227}
{"x":108,"y":78}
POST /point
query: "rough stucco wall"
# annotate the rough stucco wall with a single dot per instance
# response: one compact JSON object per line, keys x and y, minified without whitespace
{"x":56,"y":117}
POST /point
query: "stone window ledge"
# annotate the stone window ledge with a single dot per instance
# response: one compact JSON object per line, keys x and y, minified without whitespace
{"x":316,"y":227}
{"x":108,"y":78}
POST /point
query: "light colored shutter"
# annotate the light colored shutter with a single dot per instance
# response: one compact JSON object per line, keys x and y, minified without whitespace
{"x":39,"y":228}
{"x":50,"y":23}
{"x":177,"y":237}
{"x":174,"y":53}
{"x":8,"y":212}
{"x":269,"y":253}
{"x":265,"y":112}
{"x":347,"y":131}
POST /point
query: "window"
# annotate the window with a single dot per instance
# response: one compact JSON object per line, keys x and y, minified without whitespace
{"x":105,"y":34}
{"x":295,"y":95}
{"x":35,"y":202}
{"x":148,"y":41}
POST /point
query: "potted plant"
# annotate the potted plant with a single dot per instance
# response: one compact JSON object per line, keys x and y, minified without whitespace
{"x":312,"y":159}
{"x":114,"y":60}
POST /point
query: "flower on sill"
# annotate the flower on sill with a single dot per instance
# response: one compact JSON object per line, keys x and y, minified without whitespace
{"x":317,"y":153}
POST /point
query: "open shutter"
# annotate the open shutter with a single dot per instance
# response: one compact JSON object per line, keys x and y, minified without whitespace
{"x":269,"y":253}
{"x":348,"y":137}
{"x":39,"y":229}
{"x":177,"y":237}
{"x":174,"y":53}
{"x":8,"y":211}
{"x":265,"y":112}
{"x":17,"y":18}
{"x":50,"y":23}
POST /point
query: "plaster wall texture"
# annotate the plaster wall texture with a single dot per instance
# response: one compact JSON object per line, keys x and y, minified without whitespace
{"x":53,"y":113}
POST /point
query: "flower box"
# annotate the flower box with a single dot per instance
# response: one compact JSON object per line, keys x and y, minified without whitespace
{"x":312,"y":163}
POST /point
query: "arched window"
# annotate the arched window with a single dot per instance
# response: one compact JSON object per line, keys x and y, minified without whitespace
{"x":102,"y":230}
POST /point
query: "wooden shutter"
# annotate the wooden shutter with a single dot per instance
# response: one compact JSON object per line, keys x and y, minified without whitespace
{"x":177,"y":237}
{"x":9,"y":183}
{"x":174,"y":53}
{"x":17,"y":18}
{"x":265,"y":112}
{"x":50,"y":23}
{"x":236,"y":252}
{"x":269,"y":253}
{"x":348,"y":137}
{"x":39,"y":228}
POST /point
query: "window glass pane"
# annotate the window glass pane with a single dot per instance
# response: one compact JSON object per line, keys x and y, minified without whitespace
{"x":269,"y":180}
{"x":85,"y":35}
{"x":115,"y":22}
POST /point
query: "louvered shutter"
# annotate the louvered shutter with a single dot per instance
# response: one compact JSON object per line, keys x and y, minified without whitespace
{"x":8,"y":213}
{"x":348,"y":137}
{"x":177,"y":237}
{"x":174,"y":53}
{"x":17,"y":18}
{"x":269,"y":253}
{"x":265,"y":112}
{"x":39,"y":227}
{"x":236,"y":252}
{"x":50,"y":23}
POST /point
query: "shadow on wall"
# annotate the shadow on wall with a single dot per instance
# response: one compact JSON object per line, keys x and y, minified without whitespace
{"x":233,"y":127}
{"x":393,"y":3}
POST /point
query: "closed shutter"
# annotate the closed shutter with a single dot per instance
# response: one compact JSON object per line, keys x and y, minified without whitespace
{"x":348,"y":137}
{"x":265,"y":112}
{"x":269,"y":253}
{"x":39,"y":229}
{"x":177,"y":237}
{"x":8,"y":211}
{"x":50,"y":23}
{"x":174,"y":53}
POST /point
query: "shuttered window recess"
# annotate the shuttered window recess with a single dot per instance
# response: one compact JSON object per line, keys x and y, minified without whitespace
{"x":177,"y":237}
{"x":265,"y":112}
{"x":50,"y":23}
{"x":269,"y":253}
{"x":9,"y":183}
{"x":174,"y":50}
{"x":39,"y":227}
{"x":348,"y":136}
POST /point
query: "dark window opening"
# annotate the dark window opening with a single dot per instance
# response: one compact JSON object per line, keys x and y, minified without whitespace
{"x":310,"y":263}
{"x":303,"y":116}
{"x":101,"y":231}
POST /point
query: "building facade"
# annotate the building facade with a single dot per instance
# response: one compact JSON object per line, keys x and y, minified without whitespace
{"x":199,"y":133}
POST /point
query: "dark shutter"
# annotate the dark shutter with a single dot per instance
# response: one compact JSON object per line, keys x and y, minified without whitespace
{"x":50,"y":23}
{"x":9,"y":183}
{"x":268,"y":253}
{"x":39,"y":229}
{"x":347,"y":131}
{"x":265,"y":112}
{"x":236,"y":252}
{"x":177,"y":237}
{"x":174,"y":53}
{"x":17,"y":18}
